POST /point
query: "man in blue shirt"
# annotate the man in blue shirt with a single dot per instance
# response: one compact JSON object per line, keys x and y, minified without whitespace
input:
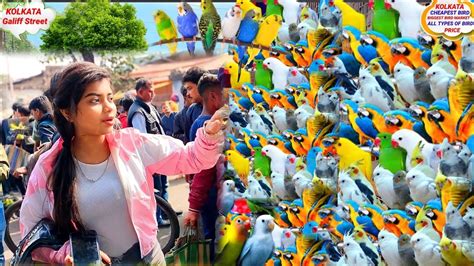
{"x":190,"y":83}
{"x":41,"y":110}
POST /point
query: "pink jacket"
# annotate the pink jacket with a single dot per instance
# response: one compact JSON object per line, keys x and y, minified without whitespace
{"x":136,"y":156}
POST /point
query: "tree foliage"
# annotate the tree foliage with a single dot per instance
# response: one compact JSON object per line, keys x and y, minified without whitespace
{"x":15,"y":45}
{"x":95,"y":26}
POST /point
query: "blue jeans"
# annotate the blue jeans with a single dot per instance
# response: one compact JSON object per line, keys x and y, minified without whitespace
{"x":209,"y":214}
{"x":160,"y":182}
{"x":3,"y":226}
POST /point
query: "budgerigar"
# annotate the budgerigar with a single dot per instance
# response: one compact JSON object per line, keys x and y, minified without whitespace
{"x":209,"y":26}
{"x":187,"y":24}
{"x":166,"y":29}
{"x":231,"y":22}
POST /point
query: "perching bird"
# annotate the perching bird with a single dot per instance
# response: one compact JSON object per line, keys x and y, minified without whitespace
{"x":248,"y":28}
{"x":256,"y":123}
{"x":255,"y":190}
{"x":209,"y":26}
{"x":187,"y":24}
{"x":439,"y":81}
{"x":390,"y":158}
{"x":384,"y":20}
{"x":469,"y":218}
{"x":456,"y":228}
{"x":227,"y":197}
{"x":405,"y":250}
{"x":166,"y":29}
{"x":422,"y":85}
{"x":372,"y":92}
{"x":388,"y":244}
{"x":350,"y":17}
{"x":370,"y":250}
{"x":348,"y":190}
{"x":259,"y":247}
{"x":279,"y":72}
{"x":383,"y":180}
{"x":467,"y":61}
{"x":231,"y":22}
{"x":405,"y":82}
{"x":326,"y":167}
{"x":451,"y":164}
{"x":328,"y":19}
{"x":400,"y":186}
{"x":440,"y":58}
{"x":295,"y":77}
{"x":247,"y":5}
{"x":240,"y":164}
{"x":302,"y":180}
{"x":354,"y":255}
{"x":230,"y":245}
{"x":290,"y":11}
{"x":427,"y":252}
{"x":278,"y":158}
{"x":421,"y":183}
{"x":409,"y":140}
{"x":409,"y":21}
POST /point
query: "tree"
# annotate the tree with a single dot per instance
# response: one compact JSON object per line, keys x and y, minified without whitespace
{"x":12,"y":44}
{"x":95,"y":26}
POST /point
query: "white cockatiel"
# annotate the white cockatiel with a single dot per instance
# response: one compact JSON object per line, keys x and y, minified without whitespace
{"x":302,"y":180}
{"x":254,"y":189}
{"x":259,"y":247}
{"x":409,"y":140}
{"x":290,"y":10}
{"x":439,"y":81}
{"x":231,"y":22}
{"x":302,"y":116}
{"x":469,"y":217}
{"x":388,"y":243}
{"x":441,"y":59}
{"x":348,"y":190}
{"x":278,"y":185}
{"x":427,"y":251}
{"x":421,"y":183}
{"x":279,"y":72}
{"x":404,"y":79}
{"x":256,"y":123}
{"x":279,"y":118}
{"x":354,"y":255}
{"x":409,"y":22}
{"x":383,"y":179}
{"x":467,"y":60}
{"x":372,"y":92}
{"x":278,"y":158}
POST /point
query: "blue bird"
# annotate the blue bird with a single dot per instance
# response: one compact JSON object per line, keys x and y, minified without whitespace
{"x":187,"y":24}
{"x":248,"y":28}
{"x":311,"y":159}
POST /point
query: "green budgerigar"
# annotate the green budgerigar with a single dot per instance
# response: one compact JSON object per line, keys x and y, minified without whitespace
{"x":273,"y":8}
{"x":209,"y":26}
{"x":166,"y":29}
{"x":384,"y":20}
{"x":263,"y":76}
{"x":390,"y":158}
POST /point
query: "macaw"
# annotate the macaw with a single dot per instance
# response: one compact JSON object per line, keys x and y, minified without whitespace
{"x":382,"y":46}
{"x":412,"y":50}
{"x":371,"y":219}
{"x":439,"y":113}
{"x":398,"y":218}
{"x":363,"y":53}
{"x":375,"y":114}
{"x":420,"y":110}
{"x":362,"y":125}
{"x":302,"y":54}
{"x":279,"y":52}
{"x":285,"y":100}
{"x":398,"y":119}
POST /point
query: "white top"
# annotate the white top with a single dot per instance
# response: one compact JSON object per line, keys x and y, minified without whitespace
{"x":102,"y":206}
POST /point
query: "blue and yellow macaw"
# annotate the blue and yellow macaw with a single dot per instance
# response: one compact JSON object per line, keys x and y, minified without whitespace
{"x":296,"y":213}
{"x":281,"y":143}
{"x":285,"y":100}
{"x":419,"y":110}
{"x":280,"y":216}
{"x":297,"y":147}
{"x":418,"y":55}
{"x":375,"y":114}
{"x":398,"y":119}
{"x":439,"y":113}
{"x":302,"y":53}
{"x":364,"y":126}
{"x":382,"y":46}
{"x":336,"y":224}
{"x":318,"y":77}
{"x":290,"y":257}
{"x":281,"y":54}
{"x":433,"y":209}
{"x":399,"y":219}
{"x":413,"y":208}
{"x":371,"y":219}
{"x":238,"y":145}
{"x":363,"y":53}
{"x":259,"y":89}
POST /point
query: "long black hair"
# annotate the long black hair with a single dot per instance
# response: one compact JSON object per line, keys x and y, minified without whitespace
{"x":70,"y":87}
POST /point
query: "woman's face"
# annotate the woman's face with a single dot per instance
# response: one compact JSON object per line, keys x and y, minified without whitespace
{"x":96,"y":110}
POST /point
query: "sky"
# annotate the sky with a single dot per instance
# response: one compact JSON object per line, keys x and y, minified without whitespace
{"x":23,"y":66}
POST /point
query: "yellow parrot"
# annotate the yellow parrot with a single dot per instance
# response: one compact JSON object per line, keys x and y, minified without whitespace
{"x":267,"y":32}
{"x":350,"y":17}
{"x":453,"y":251}
{"x":240,"y":164}
{"x":166,"y":29}
{"x":247,"y":5}
{"x":232,"y":68}
{"x":232,"y":240}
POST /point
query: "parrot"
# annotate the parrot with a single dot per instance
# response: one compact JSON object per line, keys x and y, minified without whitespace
{"x":390,"y":158}
{"x":427,"y":252}
{"x":256,"y":123}
{"x":279,"y":72}
{"x":451,"y":164}
{"x":166,"y":29}
{"x":409,"y":21}
{"x":421,"y":183}
{"x":240,"y":164}
{"x":248,"y":29}
{"x":187,"y":24}
{"x":259,"y":247}
{"x":363,"y":53}
{"x":301,"y":117}
{"x":278,"y":158}
{"x":405,"y":251}
{"x":231,"y":22}
{"x":236,"y":81}
{"x":247,"y":5}
{"x":453,"y":48}
{"x":227,"y":197}
{"x":327,"y":101}
{"x":311,"y":159}
{"x":290,"y":11}
{"x":354,"y":255}
{"x":281,"y":120}
{"x":439,"y":81}
{"x":295,"y":77}
{"x":268,"y":30}
{"x":383,"y":180}
{"x":372,"y":92}
{"x":263,"y":76}
{"x":273,"y":8}
{"x":291,"y":165}
{"x":341,"y":147}
{"x":255,"y":190}
{"x":424,"y":225}
{"x":412,"y":51}
{"x":209,"y":26}
{"x":362,"y":125}
{"x":382,"y":47}
{"x":375,"y":114}
{"x":388,"y":244}
{"x":280,"y":188}
{"x":398,"y":222}
{"x":456,"y":228}
{"x":439,"y":113}
{"x":362,"y":182}
{"x":400,"y":186}
{"x":348,"y":190}
{"x":440,"y":58}
{"x":232,"y":242}
{"x":469,"y":218}
{"x":261,"y":162}
{"x":420,"y":110}
{"x":384,"y":20}
{"x":350,"y":17}
{"x":382,"y":78}
{"x":360,"y":236}
{"x":422,"y":85}
{"x":326,"y":167}
{"x":329,"y":19}
{"x":283,"y":237}
{"x":302,"y":180}
{"x":405,"y":82}
{"x":409,"y":140}
{"x":467,"y":60}
{"x":453,"y":252}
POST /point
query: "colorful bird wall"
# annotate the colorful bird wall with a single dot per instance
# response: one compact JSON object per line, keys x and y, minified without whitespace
{"x":349,"y":145}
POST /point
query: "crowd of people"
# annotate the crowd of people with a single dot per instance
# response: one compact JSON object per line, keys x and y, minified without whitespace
{"x":46,"y":149}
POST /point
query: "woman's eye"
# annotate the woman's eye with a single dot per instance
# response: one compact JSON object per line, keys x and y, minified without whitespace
{"x":95,"y":100}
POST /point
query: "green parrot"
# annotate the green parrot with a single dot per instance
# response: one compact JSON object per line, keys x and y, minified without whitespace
{"x":390,"y":158}
{"x":261,"y":162}
{"x":209,"y":26}
{"x":273,"y":8}
{"x":233,"y":235}
{"x":166,"y":29}
{"x":263,"y":76}
{"x":384,"y":20}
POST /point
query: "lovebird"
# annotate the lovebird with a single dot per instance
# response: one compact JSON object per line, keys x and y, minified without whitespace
{"x":390,"y":158}
{"x":209,"y":26}
{"x":231,"y":243}
{"x":187,"y":24}
{"x":259,"y":247}
{"x":240,"y":164}
{"x":166,"y":29}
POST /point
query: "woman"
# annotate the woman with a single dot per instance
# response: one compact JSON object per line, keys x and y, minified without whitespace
{"x":97,"y":178}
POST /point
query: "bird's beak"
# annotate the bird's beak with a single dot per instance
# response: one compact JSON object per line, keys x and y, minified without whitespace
{"x":395,"y":144}
{"x":388,"y":6}
{"x":263,"y":153}
{"x":252,"y":152}
{"x":226,"y":71}
{"x":439,"y":153}
{"x":377,"y":142}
